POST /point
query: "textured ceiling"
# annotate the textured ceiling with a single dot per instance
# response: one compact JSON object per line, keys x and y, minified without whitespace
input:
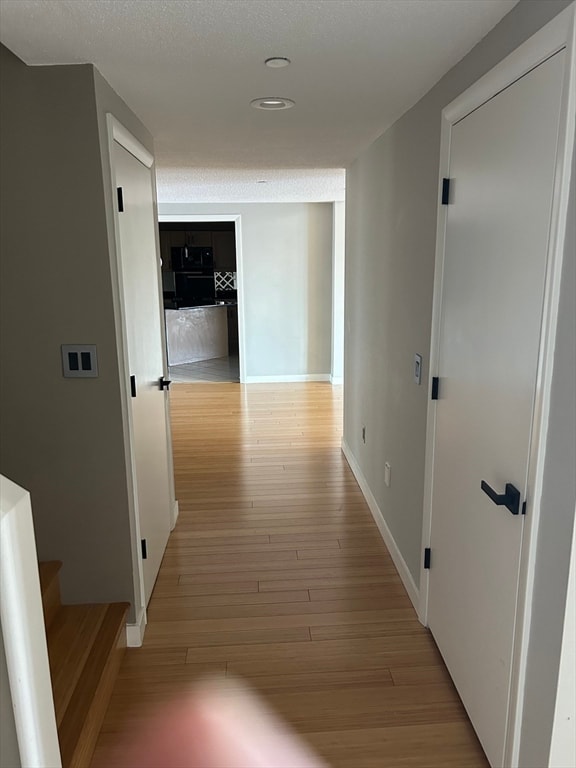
{"x":189,"y":69}
{"x":216,"y":185}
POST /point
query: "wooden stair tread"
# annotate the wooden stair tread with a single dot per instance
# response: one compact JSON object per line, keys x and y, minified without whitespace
{"x":48,"y":571}
{"x":87,"y":703}
{"x":50,"y":589}
{"x":70,"y":638}
{"x":85,"y":647}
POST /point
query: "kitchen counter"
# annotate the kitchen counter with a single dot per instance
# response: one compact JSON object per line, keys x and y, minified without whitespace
{"x":196,"y":333}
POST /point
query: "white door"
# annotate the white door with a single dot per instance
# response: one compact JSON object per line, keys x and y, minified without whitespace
{"x":142,"y":313}
{"x":502,"y":164}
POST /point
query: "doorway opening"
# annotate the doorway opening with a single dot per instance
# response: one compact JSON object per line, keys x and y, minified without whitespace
{"x":200,"y":291}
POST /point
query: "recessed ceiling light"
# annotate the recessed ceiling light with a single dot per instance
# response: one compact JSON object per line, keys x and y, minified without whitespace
{"x":272,"y":102}
{"x":275,"y":62}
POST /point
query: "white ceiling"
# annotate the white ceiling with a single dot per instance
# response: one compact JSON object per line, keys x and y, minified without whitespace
{"x":218,"y":185}
{"x":189,"y":69}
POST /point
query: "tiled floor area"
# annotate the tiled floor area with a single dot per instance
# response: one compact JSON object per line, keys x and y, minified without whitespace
{"x":217,"y":369}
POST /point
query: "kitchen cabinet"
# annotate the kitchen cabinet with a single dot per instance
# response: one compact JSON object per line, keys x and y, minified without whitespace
{"x":198,"y":238}
{"x":165,"y":251}
{"x":233,"y":329}
{"x":224,"y":244}
{"x":177,"y":238}
{"x":196,"y":333}
{"x":220,"y":256}
{"x":180,"y":237}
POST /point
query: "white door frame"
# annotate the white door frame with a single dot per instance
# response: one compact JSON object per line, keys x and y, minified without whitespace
{"x":119,"y":134}
{"x":556,"y":35}
{"x":237,"y":219}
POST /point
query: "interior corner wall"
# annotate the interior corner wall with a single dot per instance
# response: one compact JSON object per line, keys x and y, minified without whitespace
{"x":287,"y":283}
{"x":62,"y":439}
{"x":391,"y":203}
{"x":338,"y":254}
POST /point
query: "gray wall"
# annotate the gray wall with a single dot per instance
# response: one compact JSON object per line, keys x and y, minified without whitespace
{"x":391,"y":204}
{"x":287,"y":273}
{"x":390,"y":249}
{"x":62,"y":439}
{"x":338,"y":254}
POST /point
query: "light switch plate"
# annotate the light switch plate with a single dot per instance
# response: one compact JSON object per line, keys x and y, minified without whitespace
{"x":387,"y":474}
{"x":79,"y":361}
{"x":418,"y":369}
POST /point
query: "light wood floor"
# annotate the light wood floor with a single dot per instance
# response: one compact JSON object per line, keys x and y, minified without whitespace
{"x":277,"y":573}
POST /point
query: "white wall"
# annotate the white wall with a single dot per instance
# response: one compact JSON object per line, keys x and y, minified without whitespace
{"x":63,"y":439}
{"x":391,"y":202}
{"x":287,"y":280}
{"x":338,"y":257}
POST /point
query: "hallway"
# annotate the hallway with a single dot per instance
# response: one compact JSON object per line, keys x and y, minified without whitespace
{"x":276,"y":573}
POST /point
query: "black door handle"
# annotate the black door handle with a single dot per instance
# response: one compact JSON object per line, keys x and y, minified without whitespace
{"x":164,"y":383}
{"x":509,"y":499}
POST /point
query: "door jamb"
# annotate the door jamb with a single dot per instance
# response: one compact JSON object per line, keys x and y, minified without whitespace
{"x":119,"y":134}
{"x":237,"y":219}
{"x":558,"y":34}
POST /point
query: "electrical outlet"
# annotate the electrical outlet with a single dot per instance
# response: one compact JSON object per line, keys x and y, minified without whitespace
{"x":363,"y":434}
{"x":387,"y":472}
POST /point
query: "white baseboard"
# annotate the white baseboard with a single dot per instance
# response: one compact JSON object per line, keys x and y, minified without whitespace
{"x":175,"y":513}
{"x":336,"y":381}
{"x":135,"y":632}
{"x":399,"y":562}
{"x":287,"y":379}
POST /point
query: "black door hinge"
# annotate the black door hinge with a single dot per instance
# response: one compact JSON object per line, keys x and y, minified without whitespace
{"x":445,"y":191}
{"x":133,"y":386}
{"x":144,"y":549}
{"x":120,"y":199}
{"x":427,"y":558}
{"x":435,"y":387}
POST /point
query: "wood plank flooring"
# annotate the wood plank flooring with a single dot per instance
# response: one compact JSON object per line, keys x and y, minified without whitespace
{"x":276,"y":573}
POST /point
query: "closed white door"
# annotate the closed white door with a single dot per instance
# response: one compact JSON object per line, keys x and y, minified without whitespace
{"x":502,"y":164}
{"x":142,"y":313}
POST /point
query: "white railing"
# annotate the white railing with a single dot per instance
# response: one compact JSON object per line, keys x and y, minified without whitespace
{"x":24,"y":635}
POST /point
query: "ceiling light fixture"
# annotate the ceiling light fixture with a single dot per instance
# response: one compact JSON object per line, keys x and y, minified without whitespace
{"x":272,"y":102}
{"x":276,"y":62}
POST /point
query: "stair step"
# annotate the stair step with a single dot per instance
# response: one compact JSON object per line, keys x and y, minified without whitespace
{"x":70,"y":638}
{"x":50,"y":588}
{"x":84,"y":713}
{"x":85,"y":648}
